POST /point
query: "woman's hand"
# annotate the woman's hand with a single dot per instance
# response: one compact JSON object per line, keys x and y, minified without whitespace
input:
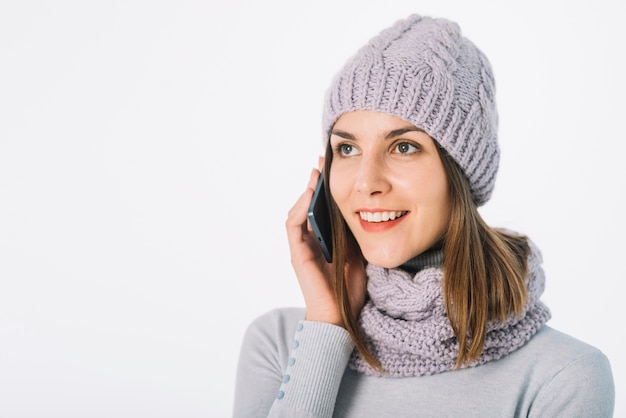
{"x":313,"y":272}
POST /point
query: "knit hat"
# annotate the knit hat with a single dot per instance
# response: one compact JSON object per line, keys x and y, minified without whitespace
{"x":424,"y":71}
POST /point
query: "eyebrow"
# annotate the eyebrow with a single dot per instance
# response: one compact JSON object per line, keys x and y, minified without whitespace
{"x":390,"y":135}
{"x":402,"y":131}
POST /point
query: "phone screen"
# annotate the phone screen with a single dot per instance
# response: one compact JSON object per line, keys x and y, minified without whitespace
{"x":319,"y":217}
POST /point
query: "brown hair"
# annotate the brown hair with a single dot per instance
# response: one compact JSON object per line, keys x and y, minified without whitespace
{"x":484,"y":268}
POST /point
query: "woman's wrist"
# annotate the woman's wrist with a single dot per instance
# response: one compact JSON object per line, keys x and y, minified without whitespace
{"x":332,"y":318}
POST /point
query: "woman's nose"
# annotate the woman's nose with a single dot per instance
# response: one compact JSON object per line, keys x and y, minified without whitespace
{"x":371,"y":177}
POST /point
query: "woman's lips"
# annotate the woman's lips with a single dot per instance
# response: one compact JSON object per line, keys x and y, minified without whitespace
{"x":380,"y":220}
{"x":381,"y":216}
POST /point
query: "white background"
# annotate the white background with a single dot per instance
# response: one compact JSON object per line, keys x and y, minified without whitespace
{"x":150,"y":151}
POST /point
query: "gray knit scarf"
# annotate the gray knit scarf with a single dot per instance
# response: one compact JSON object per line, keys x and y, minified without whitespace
{"x":406,"y":328}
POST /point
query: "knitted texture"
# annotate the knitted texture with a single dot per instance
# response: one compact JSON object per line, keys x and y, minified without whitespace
{"x":424,"y":71}
{"x":407,"y":330}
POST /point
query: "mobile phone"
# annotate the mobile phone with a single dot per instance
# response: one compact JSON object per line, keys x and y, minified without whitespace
{"x":319,"y":218}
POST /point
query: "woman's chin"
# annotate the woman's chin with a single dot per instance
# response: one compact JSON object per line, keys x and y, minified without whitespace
{"x":384,"y":260}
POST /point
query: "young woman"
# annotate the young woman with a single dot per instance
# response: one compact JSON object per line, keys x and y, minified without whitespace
{"x":425,"y":309}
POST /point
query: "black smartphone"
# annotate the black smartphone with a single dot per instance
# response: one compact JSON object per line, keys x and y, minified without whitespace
{"x":319,"y":218}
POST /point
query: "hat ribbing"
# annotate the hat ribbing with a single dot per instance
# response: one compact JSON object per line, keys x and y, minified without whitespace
{"x":424,"y":71}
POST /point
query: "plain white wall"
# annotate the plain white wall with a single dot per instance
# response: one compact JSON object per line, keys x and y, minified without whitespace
{"x":150,"y":151}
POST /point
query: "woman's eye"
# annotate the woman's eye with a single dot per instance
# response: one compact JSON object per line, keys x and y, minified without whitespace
{"x":347,"y":149}
{"x":406,"y":148}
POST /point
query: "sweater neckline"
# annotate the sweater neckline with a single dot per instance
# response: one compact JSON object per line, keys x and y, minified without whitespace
{"x":430,"y":258}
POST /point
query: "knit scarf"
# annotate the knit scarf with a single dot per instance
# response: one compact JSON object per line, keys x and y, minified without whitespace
{"x":405,"y":325}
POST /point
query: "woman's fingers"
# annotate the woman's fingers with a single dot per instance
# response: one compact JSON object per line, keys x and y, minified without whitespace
{"x":297,"y":222}
{"x":311,"y":269}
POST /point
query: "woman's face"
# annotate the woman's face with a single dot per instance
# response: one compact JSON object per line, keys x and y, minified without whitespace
{"x":390,"y":185}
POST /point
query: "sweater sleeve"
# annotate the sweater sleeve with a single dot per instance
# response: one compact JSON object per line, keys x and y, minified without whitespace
{"x":584,"y":388}
{"x":290,"y":368}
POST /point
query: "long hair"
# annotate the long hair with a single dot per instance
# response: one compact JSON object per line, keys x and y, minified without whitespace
{"x":484,"y":268}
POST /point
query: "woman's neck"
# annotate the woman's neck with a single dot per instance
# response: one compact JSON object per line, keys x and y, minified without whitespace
{"x":430,"y":258}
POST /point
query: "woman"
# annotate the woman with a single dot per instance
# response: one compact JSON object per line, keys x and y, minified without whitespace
{"x":425,"y":310}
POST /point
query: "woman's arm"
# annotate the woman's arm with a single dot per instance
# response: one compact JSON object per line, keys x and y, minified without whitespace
{"x":290,"y":368}
{"x":295,"y":369}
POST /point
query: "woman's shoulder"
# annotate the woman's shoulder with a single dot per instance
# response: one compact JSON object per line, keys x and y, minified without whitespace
{"x":556,"y":352}
{"x":568,"y":360}
{"x":576,"y":375}
{"x":555,"y":362}
{"x":558,"y":347}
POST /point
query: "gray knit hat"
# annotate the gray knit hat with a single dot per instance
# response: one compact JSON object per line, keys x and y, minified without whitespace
{"x":424,"y":71}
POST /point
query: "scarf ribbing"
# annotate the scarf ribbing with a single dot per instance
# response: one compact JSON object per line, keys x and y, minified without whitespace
{"x":406,"y":328}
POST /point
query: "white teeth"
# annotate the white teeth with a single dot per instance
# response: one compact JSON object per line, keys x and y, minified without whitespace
{"x":380,"y":216}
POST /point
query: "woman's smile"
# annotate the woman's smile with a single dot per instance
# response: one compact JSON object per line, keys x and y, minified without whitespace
{"x":382,"y":221}
{"x":380,"y":216}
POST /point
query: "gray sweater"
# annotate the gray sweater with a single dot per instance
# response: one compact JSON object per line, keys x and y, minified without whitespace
{"x":290,"y":367}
